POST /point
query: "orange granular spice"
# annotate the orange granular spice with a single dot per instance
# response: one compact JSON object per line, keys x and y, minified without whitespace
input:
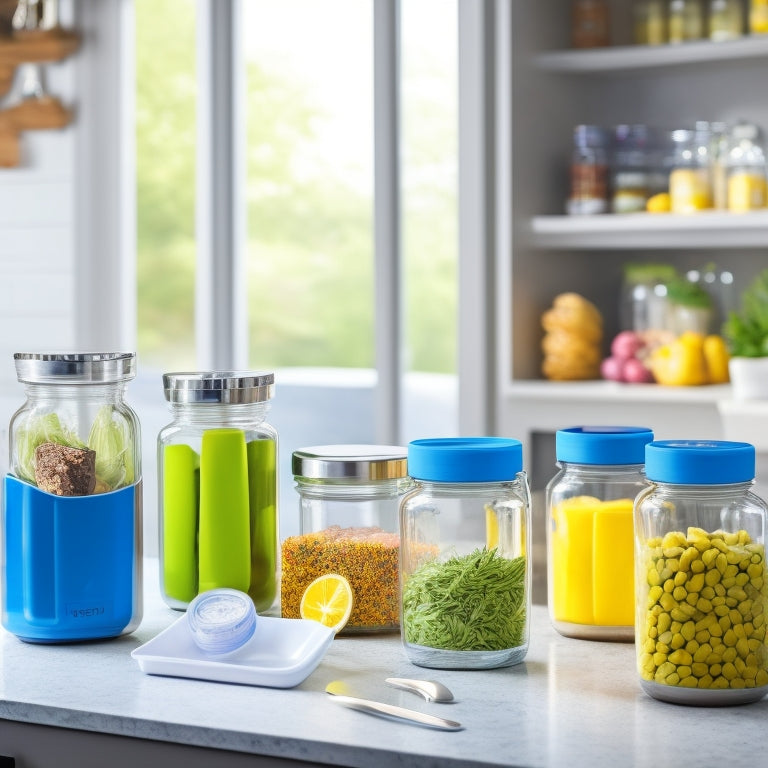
{"x":366,"y":557}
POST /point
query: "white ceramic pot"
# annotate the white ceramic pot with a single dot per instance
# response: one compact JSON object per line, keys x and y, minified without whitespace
{"x":749,"y":377}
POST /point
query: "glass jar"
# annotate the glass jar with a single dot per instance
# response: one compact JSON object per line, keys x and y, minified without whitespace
{"x":630,"y":168}
{"x":690,"y":182}
{"x":589,"y":171}
{"x":349,"y":496}
{"x":73,"y":501}
{"x":465,"y":569}
{"x":685,"y":20}
{"x":702,"y":584}
{"x":746,"y":169}
{"x":590,"y":23}
{"x":590,"y":536}
{"x":726,"y":19}
{"x":644,"y":296}
{"x":758,"y":17}
{"x":217,"y":487}
{"x":650,"y":22}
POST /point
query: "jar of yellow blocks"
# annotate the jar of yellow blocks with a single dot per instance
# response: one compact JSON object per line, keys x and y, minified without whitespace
{"x":590,"y":535}
{"x":702,"y":586}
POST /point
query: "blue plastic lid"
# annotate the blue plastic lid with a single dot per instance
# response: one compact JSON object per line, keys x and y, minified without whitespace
{"x":699,"y":462}
{"x":602,"y":445}
{"x":221,"y":620}
{"x":465,"y":459}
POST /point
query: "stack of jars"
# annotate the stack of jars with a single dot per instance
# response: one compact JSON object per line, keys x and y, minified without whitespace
{"x":708,"y":166}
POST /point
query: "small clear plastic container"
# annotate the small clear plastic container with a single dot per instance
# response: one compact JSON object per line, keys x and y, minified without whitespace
{"x":590,"y":536}
{"x":349,"y":497}
{"x":465,"y":543}
{"x":222,"y":621}
{"x":700,"y":574}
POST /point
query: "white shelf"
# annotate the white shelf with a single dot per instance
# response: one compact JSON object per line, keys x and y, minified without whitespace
{"x":604,"y":391}
{"x":624,"y":58}
{"x":713,"y":229}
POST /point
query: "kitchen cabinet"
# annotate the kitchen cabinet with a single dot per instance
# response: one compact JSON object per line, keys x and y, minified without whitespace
{"x":544,"y":88}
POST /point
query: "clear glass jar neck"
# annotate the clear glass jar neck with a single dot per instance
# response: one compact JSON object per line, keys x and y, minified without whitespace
{"x":601,"y":469}
{"x":216,"y":414}
{"x":112,"y":392}
{"x":703,"y":491}
{"x":470,"y":489}
{"x":351,"y":489}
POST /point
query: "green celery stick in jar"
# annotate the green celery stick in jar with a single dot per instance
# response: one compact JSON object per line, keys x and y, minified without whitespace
{"x":181,"y":477}
{"x":224,"y":542}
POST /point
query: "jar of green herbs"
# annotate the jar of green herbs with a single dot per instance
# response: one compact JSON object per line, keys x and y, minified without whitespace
{"x":465,"y":541}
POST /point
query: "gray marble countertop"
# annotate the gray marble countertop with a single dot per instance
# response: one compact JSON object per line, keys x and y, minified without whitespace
{"x":571,"y":702}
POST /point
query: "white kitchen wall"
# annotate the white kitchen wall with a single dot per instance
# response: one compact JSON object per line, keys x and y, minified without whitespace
{"x":38,"y":287}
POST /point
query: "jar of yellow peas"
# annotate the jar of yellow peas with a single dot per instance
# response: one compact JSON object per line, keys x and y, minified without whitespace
{"x":702,"y":586}
{"x":590,"y":535}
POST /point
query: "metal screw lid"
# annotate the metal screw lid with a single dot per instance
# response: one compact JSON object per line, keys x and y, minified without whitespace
{"x":214,"y":387}
{"x":351,"y":462}
{"x":75,"y":367}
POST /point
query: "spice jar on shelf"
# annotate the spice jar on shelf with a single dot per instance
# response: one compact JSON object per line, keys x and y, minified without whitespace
{"x":465,"y":569}
{"x":700,"y":574}
{"x":630,"y":173}
{"x":590,"y":535}
{"x":589,"y":171}
{"x":650,"y":22}
{"x":685,"y":20}
{"x":72,"y":519}
{"x":217,"y":483}
{"x":690,"y":182}
{"x":746,"y":169}
{"x":349,"y":497}
{"x":758,"y":17}
{"x":590,"y":23}
{"x":726,"y":19}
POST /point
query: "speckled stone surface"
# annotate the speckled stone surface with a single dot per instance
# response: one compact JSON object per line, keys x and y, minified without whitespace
{"x":571,"y":703}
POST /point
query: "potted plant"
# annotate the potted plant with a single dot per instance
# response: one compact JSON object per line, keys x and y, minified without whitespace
{"x":747,"y":335}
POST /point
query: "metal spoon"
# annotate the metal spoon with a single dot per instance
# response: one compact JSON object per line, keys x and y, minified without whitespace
{"x":337,"y":688}
{"x":431,"y":690}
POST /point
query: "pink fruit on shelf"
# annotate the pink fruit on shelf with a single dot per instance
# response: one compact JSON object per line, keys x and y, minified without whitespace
{"x":626,"y":345}
{"x":634,"y":372}
{"x":611,"y":368}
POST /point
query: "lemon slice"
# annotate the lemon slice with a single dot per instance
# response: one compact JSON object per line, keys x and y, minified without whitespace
{"x":328,"y":599}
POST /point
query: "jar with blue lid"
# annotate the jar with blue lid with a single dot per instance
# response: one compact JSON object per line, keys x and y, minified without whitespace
{"x":700,"y":571}
{"x":465,"y":542}
{"x":590,"y":532}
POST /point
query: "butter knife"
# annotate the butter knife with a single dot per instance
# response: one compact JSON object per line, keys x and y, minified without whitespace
{"x":336,"y":689}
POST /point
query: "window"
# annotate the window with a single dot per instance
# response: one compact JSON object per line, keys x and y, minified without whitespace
{"x":303,"y":266}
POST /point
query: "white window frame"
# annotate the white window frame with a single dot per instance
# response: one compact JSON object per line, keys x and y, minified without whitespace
{"x":107,"y":243}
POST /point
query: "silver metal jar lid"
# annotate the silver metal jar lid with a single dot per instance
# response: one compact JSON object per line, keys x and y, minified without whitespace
{"x":214,"y":387}
{"x":351,"y":462}
{"x":75,"y":367}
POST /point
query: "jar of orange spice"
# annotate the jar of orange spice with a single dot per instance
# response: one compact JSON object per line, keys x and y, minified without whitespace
{"x":349,"y":499}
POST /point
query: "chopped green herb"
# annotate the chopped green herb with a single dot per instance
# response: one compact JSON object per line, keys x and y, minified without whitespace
{"x":475,"y":602}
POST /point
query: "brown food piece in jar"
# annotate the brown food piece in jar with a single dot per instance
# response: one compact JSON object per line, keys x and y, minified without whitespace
{"x":65,"y":471}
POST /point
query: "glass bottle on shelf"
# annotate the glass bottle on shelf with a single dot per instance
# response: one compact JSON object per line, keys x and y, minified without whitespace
{"x":650,"y":22}
{"x":590,"y":23}
{"x":690,"y":183}
{"x":758,"y":17}
{"x":746,"y":169}
{"x":589,"y":171}
{"x":685,"y":21}
{"x":644,"y":296}
{"x":718,"y":283}
{"x":726,"y":19}
{"x":718,"y":151}
{"x":630,"y":177}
